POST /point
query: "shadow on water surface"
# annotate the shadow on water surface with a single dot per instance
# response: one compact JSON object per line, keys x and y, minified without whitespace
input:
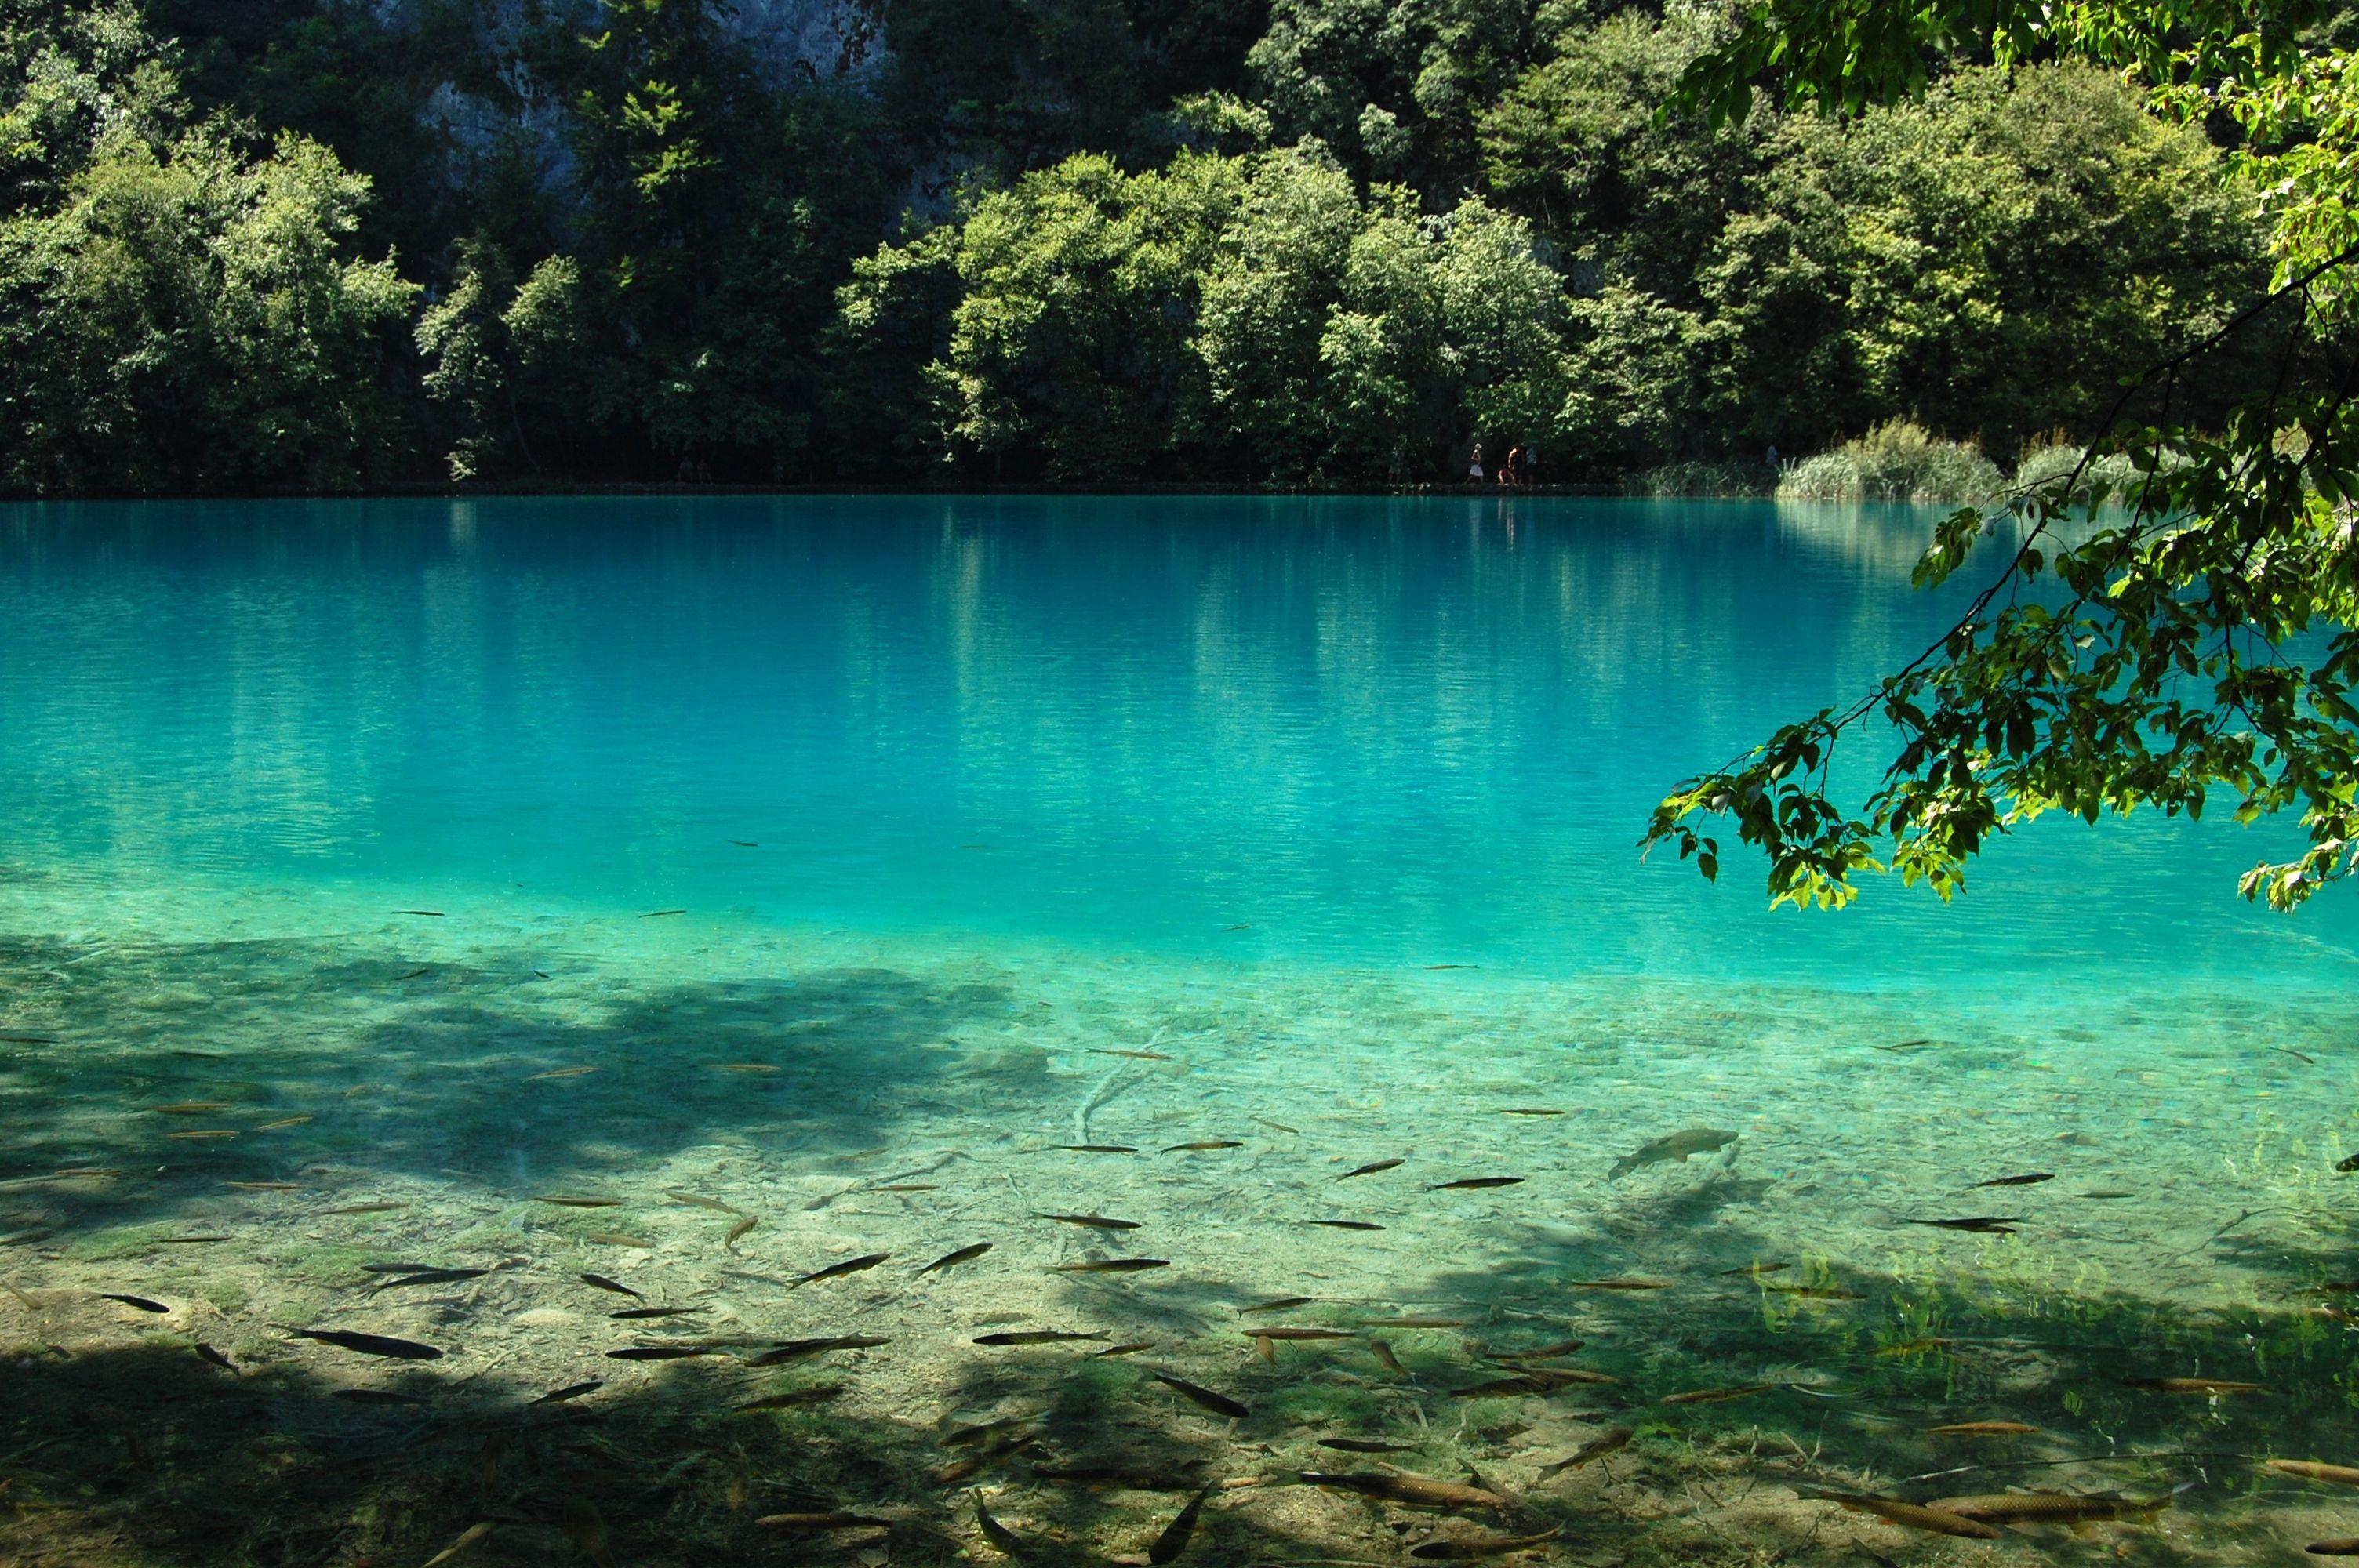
{"x":849,"y":1111}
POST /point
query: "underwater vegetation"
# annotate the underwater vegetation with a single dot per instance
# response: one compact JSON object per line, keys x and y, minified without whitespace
{"x":501,"y":1248}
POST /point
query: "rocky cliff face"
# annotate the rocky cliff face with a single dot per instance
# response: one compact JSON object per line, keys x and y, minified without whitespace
{"x":792,"y":40}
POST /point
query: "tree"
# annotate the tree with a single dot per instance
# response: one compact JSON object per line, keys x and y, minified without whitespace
{"x":2196,"y":635}
{"x":177,"y":311}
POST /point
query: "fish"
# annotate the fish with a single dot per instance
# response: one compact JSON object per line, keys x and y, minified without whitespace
{"x":1095,"y":1147}
{"x":799,"y":1349}
{"x":378,"y":1397}
{"x":1130,"y":1349}
{"x":1984,"y":1429}
{"x":2194,"y":1385}
{"x":1177,"y":1534}
{"x":1907,"y":1044}
{"x":398,"y":1268}
{"x":1715,"y":1396}
{"x":1278,"y":1125}
{"x":2348,"y":1164}
{"x":699,"y":1201}
{"x":571,"y":1200}
{"x":1134,"y":1055}
{"x":1094,"y":1221}
{"x":1476,"y":1183}
{"x":283,"y":1122}
{"x":1529,"y":1110}
{"x":660,"y":914}
{"x":191,"y":1240}
{"x":1384,"y":1358}
{"x":620,"y":1289}
{"x":659,"y":1352}
{"x":142,"y":1302}
{"x":835,"y":1520}
{"x":467,"y":1538}
{"x":998,"y":1534}
{"x":1370,"y":1169}
{"x":1816,"y":1293}
{"x":745,"y":844}
{"x":2348,"y":1547}
{"x":1618,"y":1282}
{"x":1453,"y":966}
{"x":1402,"y":1487}
{"x":1221,"y":1404}
{"x":729,"y":1243}
{"x":906,"y":1187}
{"x":1756,"y":1270}
{"x":633,"y":1313}
{"x":1598,"y":1447}
{"x":1981,"y":1224}
{"x":1035,"y":1336}
{"x":1204,"y":1143}
{"x":2311,"y":1470}
{"x":1363,"y":1445}
{"x":963,"y":1255}
{"x":26,"y":1039}
{"x":1277,"y":1331}
{"x":1280,"y":1305}
{"x":982,"y":1431}
{"x":815,"y":1396}
{"x":609,"y":1238}
{"x":2048,"y":1507}
{"x":1471,"y":1549}
{"x":1915,"y":1516}
{"x":386,"y":1207}
{"x":417,"y":974}
{"x":1539,"y":1381}
{"x":2289,"y":1051}
{"x":1227,"y":929}
{"x":1113,"y":1266}
{"x":368,"y":1343}
{"x":2031,"y":1180}
{"x":1675,"y":1146}
{"x":430,"y":914}
{"x":433,"y":1277}
{"x":205,"y":1132}
{"x":837,"y":1271}
{"x":744,"y":1067}
{"x":560,"y":1073}
{"x":189,"y":1107}
{"x":1344,"y":1224}
{"x":207,"y":1353}
{"x":571,"y":1391}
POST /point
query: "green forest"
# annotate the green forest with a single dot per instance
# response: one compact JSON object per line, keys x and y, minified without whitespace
{"x":319,"y":245}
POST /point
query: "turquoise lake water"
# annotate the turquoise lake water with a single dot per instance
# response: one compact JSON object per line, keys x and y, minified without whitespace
{"x":373,"y":872}
{"x":1378,"y":732}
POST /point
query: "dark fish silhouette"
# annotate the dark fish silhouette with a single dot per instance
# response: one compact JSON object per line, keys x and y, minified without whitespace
{"x":369,"y":1344}
{"x":1474,"y":1184}
{"x":1219,"y":1403}
{"x":798,"y":1349}
{"x":1371,"y":1170}
{"x":1034,"y":1337}
{"x":964,"y":1254}
{"x":837,"y":1270}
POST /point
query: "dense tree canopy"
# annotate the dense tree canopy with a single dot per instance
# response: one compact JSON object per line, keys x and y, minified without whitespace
{"x":1313,"y":242}
{"x":2186,"y":630}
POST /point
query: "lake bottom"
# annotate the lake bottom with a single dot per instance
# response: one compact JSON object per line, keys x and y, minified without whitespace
{"x":1362,"y":1207}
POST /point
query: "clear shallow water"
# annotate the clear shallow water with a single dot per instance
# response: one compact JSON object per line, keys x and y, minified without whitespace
{"x":1020,"y":783}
